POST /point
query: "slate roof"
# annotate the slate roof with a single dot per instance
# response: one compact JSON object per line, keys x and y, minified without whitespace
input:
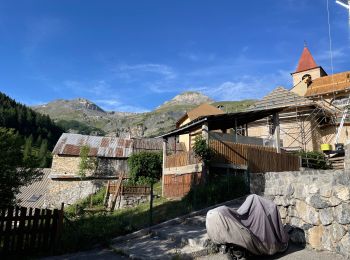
{"x":34,"y":194}
{"x":329,"y":84}
{"x":280,"y":97}
{"x":100,"y":146}
{"x":306,"y":61}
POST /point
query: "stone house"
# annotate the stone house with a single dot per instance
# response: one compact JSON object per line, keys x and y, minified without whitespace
{"x":110,"y":155}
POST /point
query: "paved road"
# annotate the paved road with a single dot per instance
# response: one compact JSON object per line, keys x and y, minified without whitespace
{"x":293,"y":253}
{"x":94,"y":254}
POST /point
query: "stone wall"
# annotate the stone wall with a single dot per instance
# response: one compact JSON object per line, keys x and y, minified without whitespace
{"x":130,"y":201}
{"x":70,"y":191}
{"x":316,"y":202}
{"x":105,"y":166}
{"x":65,"y":164}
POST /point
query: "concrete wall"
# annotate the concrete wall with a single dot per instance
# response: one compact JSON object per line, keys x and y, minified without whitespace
{"x":316,"y":202}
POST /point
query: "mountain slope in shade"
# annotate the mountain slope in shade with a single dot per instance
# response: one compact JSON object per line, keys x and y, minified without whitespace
{"x":153,"y":123}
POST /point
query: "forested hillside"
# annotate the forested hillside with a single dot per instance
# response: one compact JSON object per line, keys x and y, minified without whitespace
{"x":37,"y":134}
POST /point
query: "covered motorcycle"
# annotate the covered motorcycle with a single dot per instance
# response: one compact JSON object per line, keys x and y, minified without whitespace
{"x":255,"y":226}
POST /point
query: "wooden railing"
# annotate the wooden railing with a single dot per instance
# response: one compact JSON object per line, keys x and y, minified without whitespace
{"x":128,"y":190}
{"x":268,"y":161}
{"x":136,"y":190}
{"x":234,"y":153}
{"x":181,"y":159}
{"x":256,"y":158}
{"x":25,"y":231}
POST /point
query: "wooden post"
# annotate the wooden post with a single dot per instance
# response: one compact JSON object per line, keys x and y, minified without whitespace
{"x":235,"y":131}
{"x":165,"y":141}
{"x":205,"y":132}
{"x":276,"y":127}
{"x":205,"y":135}
{"x":151,"y":206}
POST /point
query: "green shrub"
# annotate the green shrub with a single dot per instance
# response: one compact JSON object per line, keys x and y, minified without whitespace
{"x":145,"y":167}
{"x":315,"y":160}
{"x":201,"y":149}
{"x":78,"y":208}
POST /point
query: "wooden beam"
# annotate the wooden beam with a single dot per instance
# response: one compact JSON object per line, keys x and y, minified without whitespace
{"x":165,"y":142}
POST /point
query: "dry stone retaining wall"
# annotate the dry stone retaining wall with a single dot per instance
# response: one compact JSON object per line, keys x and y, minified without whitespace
{"x":70,"y":191}
{"x":129,"y":201}
{"x":316,"y":202}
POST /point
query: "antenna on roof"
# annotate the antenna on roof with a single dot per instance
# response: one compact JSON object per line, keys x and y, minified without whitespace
{"x":345,"y":4}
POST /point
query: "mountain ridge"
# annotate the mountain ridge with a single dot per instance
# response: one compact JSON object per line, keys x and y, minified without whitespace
{"x":147,"y":124}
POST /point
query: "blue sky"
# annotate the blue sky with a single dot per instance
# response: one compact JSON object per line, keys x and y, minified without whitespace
{"x":134,"y":55}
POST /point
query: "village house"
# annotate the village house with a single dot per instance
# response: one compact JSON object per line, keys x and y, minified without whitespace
{"x":234,"y":153}
{"x":312,"y":108}
{"x":63,"y":184}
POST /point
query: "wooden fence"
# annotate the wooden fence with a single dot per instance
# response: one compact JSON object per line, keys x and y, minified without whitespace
{"x":256,"y":158}
{"x":129,"y":190}
{"x":181,"y":159}
{"x":29,"y":231}
{"x":177,"y":186}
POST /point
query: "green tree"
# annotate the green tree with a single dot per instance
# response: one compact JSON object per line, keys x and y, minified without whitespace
{"x":42,"y":156}
{"x":145,"y":167}
{"x":27,"y":150}
{"x":13,"y":174}
{"x":86,"y":163}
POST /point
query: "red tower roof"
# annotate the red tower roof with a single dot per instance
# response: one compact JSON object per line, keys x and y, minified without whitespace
{"x":306,"y":61}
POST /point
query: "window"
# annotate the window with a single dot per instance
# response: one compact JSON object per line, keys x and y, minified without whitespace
{"x":34,"y":198}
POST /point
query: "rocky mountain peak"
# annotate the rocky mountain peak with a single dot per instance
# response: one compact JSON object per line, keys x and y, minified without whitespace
{"x":188,"y":98}
{"x":86,"y":104}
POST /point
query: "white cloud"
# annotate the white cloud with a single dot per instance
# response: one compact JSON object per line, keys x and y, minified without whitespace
{"x":116,"y":105}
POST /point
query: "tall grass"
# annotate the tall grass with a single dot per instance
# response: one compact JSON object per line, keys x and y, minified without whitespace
{"x":83,"y":231}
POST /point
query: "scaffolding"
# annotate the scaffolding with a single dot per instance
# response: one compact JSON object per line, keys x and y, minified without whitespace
{"x":300,"y":119}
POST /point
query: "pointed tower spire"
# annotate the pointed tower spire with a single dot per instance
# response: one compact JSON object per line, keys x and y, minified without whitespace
{"x":306,"y":60}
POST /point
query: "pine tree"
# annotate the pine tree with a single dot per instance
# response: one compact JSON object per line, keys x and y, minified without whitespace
{"x":12,"y":174}
{"x":27,"y":151}
{"x":43,"y":154}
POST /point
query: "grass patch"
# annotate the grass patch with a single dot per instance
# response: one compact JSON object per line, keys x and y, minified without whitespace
{"x":83,"y":231}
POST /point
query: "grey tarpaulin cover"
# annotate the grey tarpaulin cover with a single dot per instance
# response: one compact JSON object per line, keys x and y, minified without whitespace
{"x":256,"y":226}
